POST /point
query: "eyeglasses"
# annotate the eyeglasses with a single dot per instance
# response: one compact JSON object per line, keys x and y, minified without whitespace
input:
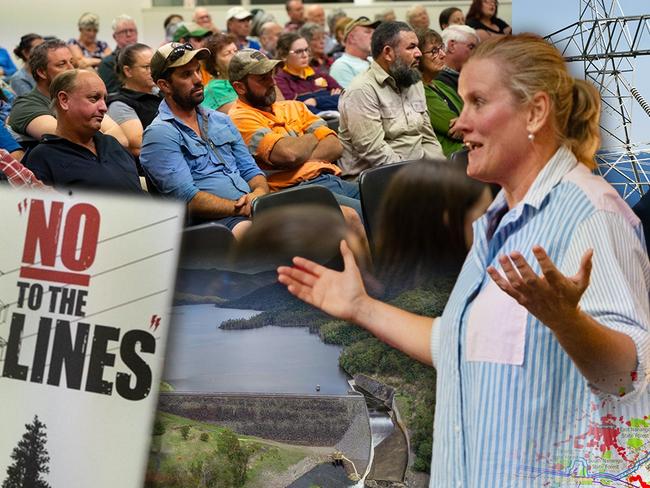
{"x":127,"y":32}
{"x":177,"y":53}
{"x":435,"y":51}
{"x":300,"y":52}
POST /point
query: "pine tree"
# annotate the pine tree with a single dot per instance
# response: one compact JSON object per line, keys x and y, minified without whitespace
{"x":30,"y":459}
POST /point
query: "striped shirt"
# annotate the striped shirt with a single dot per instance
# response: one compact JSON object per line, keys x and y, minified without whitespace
{"x":512,"y":408}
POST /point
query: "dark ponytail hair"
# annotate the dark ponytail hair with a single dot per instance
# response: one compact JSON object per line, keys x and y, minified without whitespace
{"x":25,"y":44}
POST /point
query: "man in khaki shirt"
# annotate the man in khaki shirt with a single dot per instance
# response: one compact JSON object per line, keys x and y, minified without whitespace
{"x":384,"y":115}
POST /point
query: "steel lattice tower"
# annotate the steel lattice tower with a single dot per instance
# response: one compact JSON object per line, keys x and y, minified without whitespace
{"x":607,"y":43}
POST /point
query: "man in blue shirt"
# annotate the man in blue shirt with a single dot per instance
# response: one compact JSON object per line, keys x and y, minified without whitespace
{"x":197,"y":155}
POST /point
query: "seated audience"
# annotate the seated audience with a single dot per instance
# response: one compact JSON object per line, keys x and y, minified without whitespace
{"x":88,"y":51}
{"x":384,"y":115}
{"x":315,"y":36}
{"x":339,"y":34}
{"x":354,"y":60}
{"x":171,"y":24}
{"x":197,"y":37}
{"x":22,"y":81}
{"x":135,"y":104}
{"x":219,"y":93}
{"x":125,"y":32}
{"x":31,"y":115}
{"x":238,"y":23}
{"x":418,"y":17}
{"x":451,"y":16}
{"x":294,"y":146}
{"x":443,"y":103}
{"x":315,"y":14}
{"x":482,"y":16}
{"x":203,"y":18}
{"x":15,"y":173}
{"x":194,"y":154}
{"x":78,"y":154}
{"x":459,"y":43}
{"x":269,"y":35}
{"x":299,"y":81}
{"x":386,"y":15}
{"x":296,"y":13}
{"x":423,"y":247}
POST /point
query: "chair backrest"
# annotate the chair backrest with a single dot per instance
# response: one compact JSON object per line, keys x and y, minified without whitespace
{"x":298,"y":195}
{"x":372,"y":186}
{"x":206,"y":246}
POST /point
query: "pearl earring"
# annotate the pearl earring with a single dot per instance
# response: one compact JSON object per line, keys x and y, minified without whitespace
{"x":531,"y":136}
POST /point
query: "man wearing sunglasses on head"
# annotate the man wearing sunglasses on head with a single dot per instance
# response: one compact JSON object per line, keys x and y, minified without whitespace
{"x":194,"y":154}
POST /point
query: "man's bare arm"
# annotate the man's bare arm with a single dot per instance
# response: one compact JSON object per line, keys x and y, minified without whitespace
{"x":328,"y":149}
{"x":291,"y":152}
{"x":208,"y":206}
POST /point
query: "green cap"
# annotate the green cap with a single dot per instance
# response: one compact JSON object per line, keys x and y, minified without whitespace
{"x":190,"y":29}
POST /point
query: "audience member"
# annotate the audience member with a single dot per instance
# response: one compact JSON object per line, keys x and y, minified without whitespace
{"x":459,"y":42}
{"x":296,"y":13}
{"x":354,"y":60}
{"x":294,"y":146}
{"x":219,"y":93}
{"x":15,"y":173}
{"x":417,"y":17}
{"x":384,"y":117}
{"x":203,"y":18}
{"x":88,"y":51}
{"x":7,"y":66}
{"x":194,"y":154}
{"x":297,"y":80}
{"x":171,"y":24}
{"x":269,"y":35}
{"x":238,"y":23}
{"x":315,"y":35}
{"x":135,"y":104}
{"x":315,"y":14}
{"x":443,"y":103}
{"x":22,"y":81}
{"x":339,"y":34}
{"x":79,"y":155}
{"x":192,"y":34}
{"x":31,"y":115}
{"x":451,"y":16}
{"x":386,"y":15}
{"x":410,"y":250}
{"x":125,"y":32}
{"x":9,"y":144}
{"x":482,"y":16}
{"x":260,"y":17}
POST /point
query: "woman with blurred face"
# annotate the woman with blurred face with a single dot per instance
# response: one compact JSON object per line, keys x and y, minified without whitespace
{"x":22,"y":81}
{"x":443,"y":103}
{"x":135,"y":104}
{"x":534,"y":349}
{"x":219,"y":93}
{"x":297,"y":80}
{"x":315,"y":37}
{"x":451,"y":16}
{"x":87,"y":50}
{"x":482,"y":16}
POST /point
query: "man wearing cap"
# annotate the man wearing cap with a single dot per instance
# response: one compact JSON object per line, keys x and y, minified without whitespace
{"x":384,"y":116}
{"x":125,"y":32}
{"x":354,"y":60}
{"x":294,"y":146}
{"x":194,"y":154}
{"x":238,"y":23}
{"x":192,"y":33}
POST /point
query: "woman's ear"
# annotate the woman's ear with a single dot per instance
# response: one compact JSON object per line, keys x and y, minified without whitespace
{"x":539,"y":112}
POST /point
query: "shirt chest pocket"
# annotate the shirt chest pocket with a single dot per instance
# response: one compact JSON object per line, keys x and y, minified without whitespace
{"x":393,"y":120}
{"x":496,"y":328}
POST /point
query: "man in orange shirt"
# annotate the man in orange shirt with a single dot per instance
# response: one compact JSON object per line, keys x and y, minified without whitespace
{"x":292,"y":145}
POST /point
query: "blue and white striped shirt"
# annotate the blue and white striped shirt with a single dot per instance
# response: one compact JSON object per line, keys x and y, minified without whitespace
{"x":512,"y":408}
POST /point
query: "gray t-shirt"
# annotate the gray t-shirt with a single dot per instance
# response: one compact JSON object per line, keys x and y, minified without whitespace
{"x":26,"y":108}
{"x":120,"y":112}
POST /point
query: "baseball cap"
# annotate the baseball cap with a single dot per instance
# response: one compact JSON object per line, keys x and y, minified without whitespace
{"x":360,"y":21}
{"x":249,"y":62}
{"x":189,"y":29}
{"x":172,"y":55}
{"x":239,"y":13}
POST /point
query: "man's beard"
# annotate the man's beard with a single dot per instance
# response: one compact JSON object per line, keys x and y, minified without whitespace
{"x":259,"y":101}
{"x":403,"y":74}
{"x":189,"y":101}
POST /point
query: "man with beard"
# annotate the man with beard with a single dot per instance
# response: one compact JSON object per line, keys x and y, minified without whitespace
{"x":384,"y":115}
{"x":294,"y":146}
{"x":194,"y":154}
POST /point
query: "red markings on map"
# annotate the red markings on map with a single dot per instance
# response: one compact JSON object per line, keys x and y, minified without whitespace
{"x":637,"y":477}
{"x":603,"y":436}
{"x":22,"y":206}
{"x":155,"y":322}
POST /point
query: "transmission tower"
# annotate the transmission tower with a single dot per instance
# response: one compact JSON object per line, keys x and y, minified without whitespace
{"x":608,"y":43}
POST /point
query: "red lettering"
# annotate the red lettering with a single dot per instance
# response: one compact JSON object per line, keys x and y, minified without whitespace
{"x":88,"y":239}
{"x":42,"y":233}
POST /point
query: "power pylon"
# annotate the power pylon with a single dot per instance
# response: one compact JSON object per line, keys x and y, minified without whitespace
{"x":608,"y":43}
